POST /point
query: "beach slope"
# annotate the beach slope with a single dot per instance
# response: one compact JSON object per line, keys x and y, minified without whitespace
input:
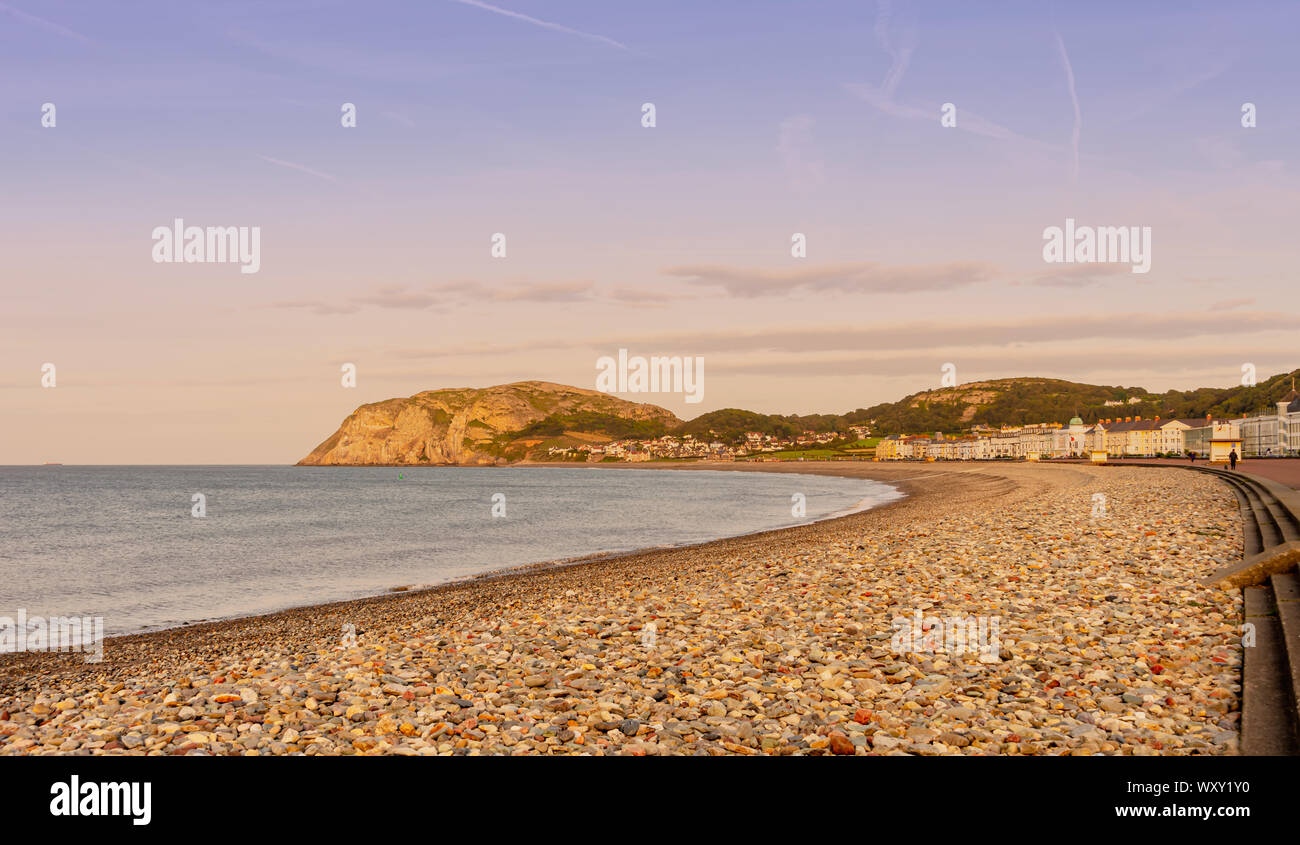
{"x":785,"y":642}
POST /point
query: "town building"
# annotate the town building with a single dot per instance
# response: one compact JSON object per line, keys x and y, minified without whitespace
{"x":1275,"y":433}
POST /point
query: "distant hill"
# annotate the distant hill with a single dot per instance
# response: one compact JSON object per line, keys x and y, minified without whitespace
{"x":513,"y":422}
{"x":1008,"y":401}
{"x":1017,"y":401}
{"x":490,"y":425}
{"x":1229,"y":401}
{"x":1011,"y":401}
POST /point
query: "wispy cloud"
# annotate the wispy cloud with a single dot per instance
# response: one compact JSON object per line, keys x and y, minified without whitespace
{"x":402,"y":298}
{"x":640,"y":296}
{"x":399,"y":298}
{"x":883,"y":96}
{"x":544,"y":292}
{"x":58,"y":29}
{"x":900,"y":54}
{"x":301,"y":168}
{"x":995,"y":332}
{"x":474,"y":291}
{"x":1078,"y":363}
{"x":1064,"y":275}
{"x":1229,"y":304}
{"x":544,"y":24}
{"x":1097,"y":331}
{"x":851,"y":277}
{"x":317,"y":306}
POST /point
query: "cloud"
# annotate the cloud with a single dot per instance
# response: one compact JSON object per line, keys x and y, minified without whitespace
{"x":1071,"y":275}
{"x":639,"y":296}
{"x":544,"y":292}
{"x":544,"y":24}
{"x":393,"y":297}
{"x":852,"y":277}
{"x":1103,"y":329}
{"x":317,"y":306}
{"x":470,"y":291}
{"x":1229,"y":304}
{"x":1127,"y":365}
{"x":900,"y":55}
{"x":402,"y":298}
{"x":397,"y":297}
{"x":930,"y":334}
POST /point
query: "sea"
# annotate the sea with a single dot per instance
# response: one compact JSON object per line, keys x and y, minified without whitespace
{"x":151,"y":547}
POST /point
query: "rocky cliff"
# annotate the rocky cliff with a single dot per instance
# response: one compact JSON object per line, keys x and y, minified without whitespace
{"x":483,"y":426}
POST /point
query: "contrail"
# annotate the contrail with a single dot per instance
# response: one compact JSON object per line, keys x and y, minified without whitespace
{"x":1074,"y":96}
{"x":292,"y":166}
{"x":43,"y":23}
{"x":546,"y":24}
{"x":901,"y":57}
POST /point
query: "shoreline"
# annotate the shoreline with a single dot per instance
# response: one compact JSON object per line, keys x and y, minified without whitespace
{"x":508,"y":571}
{"x":777,"y":642}
{"x":178,"y":635}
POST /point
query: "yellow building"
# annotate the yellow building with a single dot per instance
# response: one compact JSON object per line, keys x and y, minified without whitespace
{"x":1225,"y":438}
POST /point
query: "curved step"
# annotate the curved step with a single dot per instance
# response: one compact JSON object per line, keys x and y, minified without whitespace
{"x":1255,"y":538}
{"x":1270,"y":694}
{"x":1286,"y":597}
{"x":1270,"y":671}
{"x":1270,"y":533}
{"x":1285,"y":506}
{"x":1268,"y":714}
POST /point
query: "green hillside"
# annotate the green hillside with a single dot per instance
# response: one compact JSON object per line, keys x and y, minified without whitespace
{"x":1010,"y":401}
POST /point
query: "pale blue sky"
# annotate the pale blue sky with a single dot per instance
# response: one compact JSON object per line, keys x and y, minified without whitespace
{"x":773,"y":118}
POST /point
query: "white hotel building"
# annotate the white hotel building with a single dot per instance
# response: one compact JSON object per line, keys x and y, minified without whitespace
{"x":1273,"y":434}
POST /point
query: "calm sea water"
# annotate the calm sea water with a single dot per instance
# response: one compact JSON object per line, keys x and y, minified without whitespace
{"x":121,"y":543}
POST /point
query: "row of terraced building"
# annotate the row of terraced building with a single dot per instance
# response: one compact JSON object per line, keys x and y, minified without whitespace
{"x":1273,"y":434}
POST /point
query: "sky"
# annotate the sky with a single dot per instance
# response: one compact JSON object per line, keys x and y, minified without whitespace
{"x":924,"y":242}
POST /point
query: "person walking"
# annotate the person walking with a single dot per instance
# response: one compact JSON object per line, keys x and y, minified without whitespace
{"x":1232,"y":459}
{"x":1191,"y":456}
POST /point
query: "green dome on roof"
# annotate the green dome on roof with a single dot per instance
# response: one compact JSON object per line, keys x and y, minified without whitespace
{"x":1075,"y":421}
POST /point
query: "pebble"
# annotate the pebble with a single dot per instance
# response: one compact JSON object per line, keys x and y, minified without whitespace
{"x":779,"y":644}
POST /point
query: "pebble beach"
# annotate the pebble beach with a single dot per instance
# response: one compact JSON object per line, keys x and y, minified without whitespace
{"x":779,"y":643}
